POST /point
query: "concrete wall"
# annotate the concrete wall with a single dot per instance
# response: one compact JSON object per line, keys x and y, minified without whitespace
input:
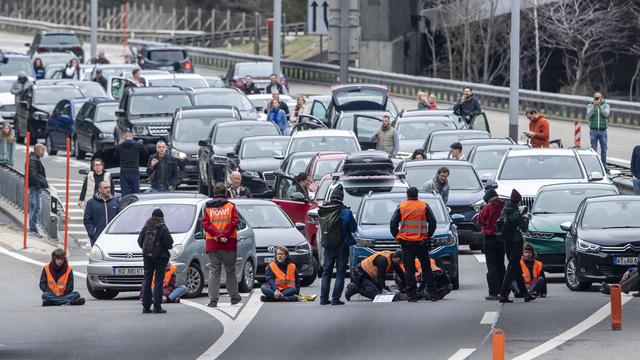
{"x":399,"y":55}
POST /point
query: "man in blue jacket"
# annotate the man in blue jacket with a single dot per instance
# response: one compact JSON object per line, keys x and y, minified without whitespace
{"x":101,"y":209}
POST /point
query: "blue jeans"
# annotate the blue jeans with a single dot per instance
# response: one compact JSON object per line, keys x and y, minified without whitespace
{"x":35,"y":206}
{"x":177,"y":293}
{"x":60,"y":300}
{"x":338,"y":258}
{"x":288,"y":292}
{"x":152,"y":266}
{"x":129,"y":183}
{"x":599,"y":136}
{"x":636,"y":186}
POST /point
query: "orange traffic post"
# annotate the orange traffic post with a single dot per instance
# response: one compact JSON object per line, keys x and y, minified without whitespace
{"x":66,"y":195}
{"x":576,"y":133}
{"x":26,"y":194}
{"x":616,"y":307}
{"x":497,"y":339}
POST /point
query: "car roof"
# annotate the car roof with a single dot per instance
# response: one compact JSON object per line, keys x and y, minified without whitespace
{"x":14,"y":54}
{"x":425,"y":113}
{"x":323,"y":132}
{"x":419,"y":119}
{"x":157,"y":90}
{"x":171,"y":199}
{"x":398,"y":195}
{"x":103,"y":101}
{"x":358,"y":87}
{"x":576,"y":185}
{"x":213,"y":110}
{"x":491,"y":147}
{"x":265,"y":137}
{"x":331,"y":156}
{"x":244,"y":123}
{"x":454,"y":131}
{"x":540,"y":152}
{"x":215,"y":90}
{"x":115,"y":66}
{"x":239,"y":201}
{"x":173,"y":76}
{"x":361,"y":181}
{"x":613,"y":198}
{"x":436,"y":162}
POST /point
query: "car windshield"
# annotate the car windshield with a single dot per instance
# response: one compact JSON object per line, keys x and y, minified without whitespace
{"x":182,"y":82}
{"x":5,"y":85}
{"x":231,"y":134}
{"x":178,"y":218}
{"x":50,"y":96}
{"x":565,"y":201}
{"x":591,"y":164}
{"x":489,"y":159}
{"x":107,"y":72}
{"x":297,"y":165}
{"x":106,"y":113}
{"x":421,"y":130}
{"x":15,"y":65}
{"x":379,"y":211}
{"x":363,"y":95}
{"x":263,"y":148}
{"x":91,"y":89}
{"x":264,"y":216}
{"x":612,"y":214}
{"x":324,"y":167}
{"x":324,"y":143}
{"x":169,"y":56}
{"x":157,"y":103}
{"x":442,"y":142}
{"x":460,"y":177}
{"x":263,"y":70}
{"x":540,"y":167}
{"x":192,"y":129}
{"x":56,"y":58}
{"x":60,"y":39}
{"x":224,"y":98}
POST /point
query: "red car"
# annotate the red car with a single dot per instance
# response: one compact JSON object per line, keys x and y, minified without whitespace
{"x":323,"y":164}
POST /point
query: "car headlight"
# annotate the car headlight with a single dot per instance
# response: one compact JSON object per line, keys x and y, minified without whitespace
{"x":365,"y":241}
{"x":443,"y":241}
{"x":219,"y":160}
{"x":140,"y":130}
{"x":250,"y":174}
{"x":176,"y":250}
{"x":586,"y":246}
{"x":478,"y":205}
{"x":302,"y":248}
{"x":96,"y":254}
{"x":106,"y":136}
{"x":178,"y":154}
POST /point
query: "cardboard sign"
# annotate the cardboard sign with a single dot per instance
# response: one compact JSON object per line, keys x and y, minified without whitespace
{"x":384,"y":298}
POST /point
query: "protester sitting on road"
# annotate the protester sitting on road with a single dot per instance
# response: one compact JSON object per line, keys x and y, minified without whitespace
{"x":278,"y":116}
{"x":442,"y":280}
{"x":171,"y":293}
{"x":439,"y":184}
{"x":101,"y":209}
{"x":128,"y":152}
{"x":468,"y":105}
{"x":93,"y":179}
{"x":38,"y":68}
{"x":455,"y":152}
{"x":162,"y":169}
{"x":283,"y":282}
{"x":630,"y":281}
{"x":369,"y":277}
{"x":531,"y":273}
{"x":56,"y":282}
{"x":235,"y":190}
{"x":37,"y":183}
{"x":538,"y":133}
{"x":7,"y":145}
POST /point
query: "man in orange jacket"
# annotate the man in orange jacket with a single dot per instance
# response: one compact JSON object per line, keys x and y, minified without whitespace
{"x":538,"y":133}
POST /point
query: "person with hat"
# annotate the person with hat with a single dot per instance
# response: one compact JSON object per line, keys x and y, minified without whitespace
{"x":493,"y":248}
{"x":56,"y":282}
{"x":100,"y":79}
{"x":514,"y":223}
{"x":20,"y":85}
{"x":336,"y":253}
{"x":155,"y":241}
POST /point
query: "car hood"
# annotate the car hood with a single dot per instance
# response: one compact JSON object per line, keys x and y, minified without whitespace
{"x":381,"y":232}
{"x":151,"y":120}
{"x":7,"y":98}
{"x":222,"y":149}
{"x":282,"y":237}
{"x":260,"y":164}
{"x":128,"y":243}
{"x":528,"y":187}
{"x":610,"y":237}
{"x":188,"y":148}
{"x":549,"y":222}
{"x":464,"y":197}
{"x":44,"y":107}
{"x":106,"y":126}
{"x":410,"y":145}
{"x":487,"y":174}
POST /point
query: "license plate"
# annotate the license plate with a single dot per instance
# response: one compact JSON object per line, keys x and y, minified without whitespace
{"x":269,"y":260}
{"x":128,"y":271}
{"x":625,"y":260}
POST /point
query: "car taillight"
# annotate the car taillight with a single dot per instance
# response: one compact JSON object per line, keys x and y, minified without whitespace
{"x":188,"y":65}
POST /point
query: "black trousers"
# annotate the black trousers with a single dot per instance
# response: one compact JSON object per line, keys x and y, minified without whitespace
{"x":366,"y":286}
{"x":412,"y":250}
{"x":152,"y":266}
{"x":494,"y":255}
{"x":513,"y":271}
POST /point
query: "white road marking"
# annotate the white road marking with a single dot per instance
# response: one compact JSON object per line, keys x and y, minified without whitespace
{"x":480,"y":257}
{"x":77,"y":233}
{"x":75,"y":211}
{"x":581,"y":327}
{"x":81,"y":226}
{"x":462,"y":354}
{"x":489,"y":317}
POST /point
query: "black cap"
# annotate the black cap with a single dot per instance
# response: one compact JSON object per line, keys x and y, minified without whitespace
{"x":490,"y":194}
{"x":338,"y":193}
{"x":157,"y":213}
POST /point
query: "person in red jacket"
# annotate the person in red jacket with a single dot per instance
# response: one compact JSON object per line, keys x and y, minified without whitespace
{"x":493,"y":249}
{"x":220,"y":223}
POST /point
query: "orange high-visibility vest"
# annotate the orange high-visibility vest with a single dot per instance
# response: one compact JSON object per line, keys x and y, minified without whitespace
{"x":413,"y":220}
{"x":537,"y":269}
{"x":284,"y":281}
{"x":167,"y":276}
{"x":432,"y":261}
{"x":57,"y":287}
{"x":220,"y":218}
{"x":369,"y":267}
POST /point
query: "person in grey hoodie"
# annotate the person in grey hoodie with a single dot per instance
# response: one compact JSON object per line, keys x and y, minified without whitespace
{"x":439,"y":184}
{"x":100,"y":209}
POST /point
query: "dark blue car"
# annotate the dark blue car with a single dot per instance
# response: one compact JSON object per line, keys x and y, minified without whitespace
{"x":374,"y":234}
{"x":61,"y":124}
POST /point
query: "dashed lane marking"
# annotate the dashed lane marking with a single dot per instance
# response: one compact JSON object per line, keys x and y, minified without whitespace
{"x":462,"y":354}
{"x":480,"y":257}
{"x":489,"y":317}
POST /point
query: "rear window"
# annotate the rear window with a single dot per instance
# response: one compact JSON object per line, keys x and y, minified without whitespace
{"x":231,"y":134}
{"x":324,"y":167}
{"x":178,"y":218}
{"x":254,"y":70}
{"x":170,"y":56}
{"x":189,"y":83}
{"x":378,"y":97}
{"x":238,"y":100}
{"x":540,"y":167}
{"x":422,"y":129}
{"x":15,"y":65}
{"x":60,"y":39}
{"x":51,"y":96}
{"x":157,"y":104}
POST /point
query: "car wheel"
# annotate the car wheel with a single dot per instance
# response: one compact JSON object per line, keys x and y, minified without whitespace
{"x":308,"y":280}
{"x":248,"y":277}
{"x":456,"y":281}
{"x":571,"y":277}
{"x":49,"y":144}
{"x":195,"y":281}
{"x":101,"y":294}
{"x":79,"y":154}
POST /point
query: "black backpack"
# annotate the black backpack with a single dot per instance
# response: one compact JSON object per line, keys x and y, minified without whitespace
{"x":504,"y":229}
{"x":151,"y":247}
{"x":330,"y":224}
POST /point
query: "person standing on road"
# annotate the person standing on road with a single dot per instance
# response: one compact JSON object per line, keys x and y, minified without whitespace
{"x":38,"y":68}
{"x":369,"y":277}
{"x":235,"y":190}
{"x":7,"y":145}
{"x":386,"y":137}
{"x":422,"y":100}
{"x":337,"y":237}
{"x":136,"y":79}
{"x":249,"y":87}
{"x":493,"y":248}
{"x":93,"y":179}
{"x":72,"y":70}
{"x":278,"y":116}
{"x":128,"y":152}
{"x":468,"y":106}
{"x":101,"y":58}
{"x":538,"y":133}
{"x":20,"y":85}
{"x":56,"y":282}
{"x":301,"y":105}
{"x":162,"y":169}
{"x":37,"y":183}
{"x":100,"y":79}
{"x":413,"y":224}
{"x":598,"y":115}
{"x":101,"y":209}
{"x":220,"y":223}
{"x":635,"y":169}
{"x":283,"y":282}
{"x":275,"y":85}
{"x":455,"y":152}
{"x":275,"y":95}
{"x":431,"y":102}
{"x":515,"y":222}
{"x":439,"y":184}
{"x":155,"y":241}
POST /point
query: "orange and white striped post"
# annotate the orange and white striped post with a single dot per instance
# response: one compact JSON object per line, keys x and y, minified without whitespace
{"x":576,"y":133}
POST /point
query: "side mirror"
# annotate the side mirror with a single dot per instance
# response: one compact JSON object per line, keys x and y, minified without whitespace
{"x":457,"y":218}
{"x":83,"y":171}
{"x":231,"y":155}
{"x":24,"y":104}
{"x":485,"y":178}
{"x":615,"y":173}
{"x":277,"y":154}
{"x":27,"y":44}
{"x":566,"y":226}
{"x":490,"y":184}
{"x":298,"y":196}
{"x":204,"y":142}
{"x":120,"y":113}
{"x":596,"y":176}
{"x":300,"y":227}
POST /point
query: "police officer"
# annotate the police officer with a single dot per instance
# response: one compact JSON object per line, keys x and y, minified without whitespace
{"x":370,"y":274}
{"x":413,"y":224}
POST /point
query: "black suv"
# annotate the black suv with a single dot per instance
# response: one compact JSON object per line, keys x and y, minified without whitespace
{"x":56,"y":41}
{"x":148,"y":112}
{"x":171,"y":58}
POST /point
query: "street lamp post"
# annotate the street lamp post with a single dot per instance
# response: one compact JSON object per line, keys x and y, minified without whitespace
{"x":514,"y":73}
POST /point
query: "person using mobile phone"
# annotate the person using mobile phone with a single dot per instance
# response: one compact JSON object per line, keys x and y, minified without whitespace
{"x":598,"y":115}
{"x":468,"y":106}
{"x":538,"y":133}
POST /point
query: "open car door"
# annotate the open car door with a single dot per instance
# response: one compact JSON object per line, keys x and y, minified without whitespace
{"x":294,"y":201}
{"x":116,"y":86}
{"x":319,"y":111}
{"x":480,"y":122}
{"x":307,"y":122}
{"x":364,"y":127}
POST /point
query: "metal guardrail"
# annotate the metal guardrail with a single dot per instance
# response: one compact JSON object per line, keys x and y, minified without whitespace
{"x":12,"y":189}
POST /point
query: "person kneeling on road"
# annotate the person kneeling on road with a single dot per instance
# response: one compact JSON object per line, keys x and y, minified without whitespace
{"x":630,"y":282}
{"x":531,"y":273}
{"x":442,"y":280}
{"x":171,"y":293}
{"x":56,"y":282}
{"x":369,"y":277}
{"x":283,"y":282}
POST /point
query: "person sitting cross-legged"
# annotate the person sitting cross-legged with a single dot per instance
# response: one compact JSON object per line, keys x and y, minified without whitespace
{"x":441,"y":278}
{"x":56,"y":282}
{"x":170,"y":292}
{"x":283,"y":282}
{"x":532,"y":273}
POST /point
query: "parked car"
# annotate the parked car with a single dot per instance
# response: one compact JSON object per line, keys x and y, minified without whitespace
{"x":112,"y":70}
{"x":115,"y":260}
{"x":602,"y":241}
{"x":297,"y":162}
{"x":90,"y":89}
{"x":12,"y":63}
{"x":322,"y":164}
{"x":486,"y":158}
{"x":437,"y":145}
{"x":272,"y":228}
{"x":260,"y":72}
{"x":374,"y":233}
{"x":62,"y":125}
{"x":55,"y":41}
{"x":469,"y":144}
{"x":193,"y":81}
{"x":412,"y":131}
{"x":322,"y":140}
{"x":226,"y":97}
{"x":166,"y":57}
{"x":253,"y":158}
{"x":95,"y":124}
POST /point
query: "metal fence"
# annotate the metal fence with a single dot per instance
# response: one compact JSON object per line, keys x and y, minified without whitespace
{"x":12,"y":189}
